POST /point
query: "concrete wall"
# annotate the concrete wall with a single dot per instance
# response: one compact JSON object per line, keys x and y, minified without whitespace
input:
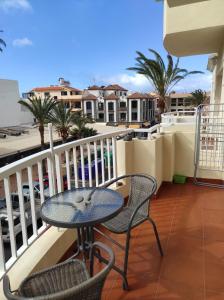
{"x":186,"y":33}
{"x":11,"y":113}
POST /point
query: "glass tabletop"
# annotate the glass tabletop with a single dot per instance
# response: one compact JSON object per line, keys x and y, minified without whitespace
{"x":81,"y":207}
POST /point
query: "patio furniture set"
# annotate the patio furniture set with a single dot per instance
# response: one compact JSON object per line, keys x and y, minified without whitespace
{"x":83,"y":209}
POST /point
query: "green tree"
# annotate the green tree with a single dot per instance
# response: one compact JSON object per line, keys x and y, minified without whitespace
{"x":199,"y":97}
{"x":81,"y":131}
{"x":62,"y":119}
{"x":2,"y":43}
{"x":162,"y":77}
{"x":41,"y":109}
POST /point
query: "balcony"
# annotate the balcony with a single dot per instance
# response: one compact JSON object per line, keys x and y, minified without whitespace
{"x":187,"y":34}
{"x":189,"y":217}
{"x":179,"y":117}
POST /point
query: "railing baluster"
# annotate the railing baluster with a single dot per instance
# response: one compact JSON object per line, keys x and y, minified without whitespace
{"x":41,"y":181}
{"x":114,"y":150}
{"x":51,"y":177}
{"x":75,"y":167}
{"x":96,"y":163}
{"x":68,"y":173}
{"x":89,"y":165}
{"x":108,"y":159}
{"x":82,"y":166}
{"x":2,"y":253}
{"x":32,"y":200}
{"x":10,"y":217}
{"x":21,"y":207}
{"x":58,"y":172}
{"x":102,"y":161}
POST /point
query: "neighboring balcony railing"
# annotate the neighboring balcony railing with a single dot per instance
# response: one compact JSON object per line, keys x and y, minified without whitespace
{"x":185,"y":116}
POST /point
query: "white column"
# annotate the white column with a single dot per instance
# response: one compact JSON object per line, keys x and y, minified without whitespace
{"x":84,"y":104}
{"x":115,"y":111}
{"x":130,"y":103}
{"x":93,"y":115}
{"x":107,"y":113}
{"x":139,"y":111}
{"x":222,"y":88}
{"x":213,"y":85}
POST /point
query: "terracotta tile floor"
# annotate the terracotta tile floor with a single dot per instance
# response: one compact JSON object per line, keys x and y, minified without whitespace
{"x":190,"y":220}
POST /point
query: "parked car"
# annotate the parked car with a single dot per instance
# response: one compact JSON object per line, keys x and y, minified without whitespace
{"x":16,"y":215}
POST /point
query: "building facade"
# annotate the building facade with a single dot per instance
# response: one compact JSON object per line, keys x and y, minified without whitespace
{"x":108,"y":104}
{"x":11,"y":112}
{"x":114,"y":104}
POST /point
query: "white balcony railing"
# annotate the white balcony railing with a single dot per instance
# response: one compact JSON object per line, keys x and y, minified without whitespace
{"x":185,"y":116}
{"x":87,"y":162}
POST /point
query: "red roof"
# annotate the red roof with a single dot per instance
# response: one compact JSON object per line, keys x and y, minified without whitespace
{"x":111,"y":97}
{"x":55,"y":88}
{"x":139,"y":96}
{"x":89,"y":97}
{"x":95,"y":88}
{"x":115,"y":87}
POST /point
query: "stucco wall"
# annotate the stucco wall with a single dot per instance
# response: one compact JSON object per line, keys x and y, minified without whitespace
{"x":11,"y":113}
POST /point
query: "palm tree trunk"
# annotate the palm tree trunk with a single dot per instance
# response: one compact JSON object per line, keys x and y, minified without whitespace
{"x":41,"y":130}
{"x":161,"y":106}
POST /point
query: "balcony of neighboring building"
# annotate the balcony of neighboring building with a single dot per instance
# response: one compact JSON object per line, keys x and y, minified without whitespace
{"x":193,"y":26}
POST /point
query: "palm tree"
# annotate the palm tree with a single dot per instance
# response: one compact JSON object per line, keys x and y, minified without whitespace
{"x":162,"y":77}
{"x":62,"y":118}
{"x":81,"y":131}
{"x":199,"y":97}
{"x":2,"y":43}
{"x":41,"y":109}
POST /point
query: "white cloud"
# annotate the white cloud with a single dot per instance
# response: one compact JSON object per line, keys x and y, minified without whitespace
{"x":7,"y":5}
{"x":131,"y":82}
{"x":193,"y":82}
{"x":22,"y":42}
{"x":137,"y":82}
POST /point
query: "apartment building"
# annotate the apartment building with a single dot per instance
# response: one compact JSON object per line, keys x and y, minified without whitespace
{"x":71,"y":97}
{"x":109,"y":104}
{"x":114,"y":103}
{"x":180,"y":102}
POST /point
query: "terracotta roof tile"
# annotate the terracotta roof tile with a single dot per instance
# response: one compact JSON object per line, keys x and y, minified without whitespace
{"x":111,"y":97}
{"x":139,"y":96}
{"x":115,"y":87}
{"x":95,"y":88}
{"x":55,"y":88}
{"x":89,"y":97}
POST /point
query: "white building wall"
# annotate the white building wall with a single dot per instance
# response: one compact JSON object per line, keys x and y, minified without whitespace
{"x":11,"y":112}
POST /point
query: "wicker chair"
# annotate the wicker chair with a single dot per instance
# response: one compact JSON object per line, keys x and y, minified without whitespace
{"x":68,"y":280}
{"x":141,"y":188}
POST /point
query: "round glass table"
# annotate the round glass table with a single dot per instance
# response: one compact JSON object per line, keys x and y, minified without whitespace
{"x":82,"y":208}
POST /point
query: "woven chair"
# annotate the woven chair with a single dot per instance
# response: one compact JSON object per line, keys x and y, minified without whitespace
{"x":141,"y":188}
{"x":68,"y":281}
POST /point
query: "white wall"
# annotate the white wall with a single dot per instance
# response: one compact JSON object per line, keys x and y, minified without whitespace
{"x":11,"y":112}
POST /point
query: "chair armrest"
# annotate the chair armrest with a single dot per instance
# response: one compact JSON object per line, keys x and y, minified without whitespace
{"x":107,"y":249}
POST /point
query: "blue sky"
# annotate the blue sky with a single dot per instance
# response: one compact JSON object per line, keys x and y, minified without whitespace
{"x":84,"y":41}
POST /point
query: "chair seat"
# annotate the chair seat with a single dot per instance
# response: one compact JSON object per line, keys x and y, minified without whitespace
{"x":56,"y":279}
{"x":119,"y":224}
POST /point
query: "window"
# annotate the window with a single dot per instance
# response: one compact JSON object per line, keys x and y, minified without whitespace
{"x":64,"y":93}
{"x":100,"y":106}
{"x":180,"y":101}
{"x":134,"y":104}
{"x":123,"y":104}
{"x":110,"y":106}
{"x":173,"y":102}
{"x":88,"y":105}
{"x":125,"y":94}
{"x":123,"y":116}
{"x":74,"y":93}
{"x":46,"y":94}
{"x":55,"y":97}
{"x":101,"y":117}
{"x":111,"y":117}
{"x":77,"y":104}
{"x":134,"y":116}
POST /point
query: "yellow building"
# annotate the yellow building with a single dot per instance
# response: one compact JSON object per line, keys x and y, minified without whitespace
{"x":194,"y":27}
